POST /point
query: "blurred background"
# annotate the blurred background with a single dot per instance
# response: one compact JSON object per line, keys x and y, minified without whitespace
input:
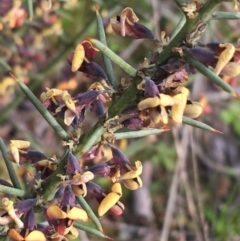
{"x":191,"y":187}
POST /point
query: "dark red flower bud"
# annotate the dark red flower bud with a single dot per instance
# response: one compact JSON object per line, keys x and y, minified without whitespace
{"x":204,"y":55}
{"x":86,"y":98}
{"x":35,"y":156}
{"x":101,"y":169}
{"x":73,"y":165}
{"x":150,"y":88}
{"x":68,"y":197}
{"x":119,"y":158}
{"x":26,"y":205}
{"x":92,"y":69}
{"x":97,"y":107}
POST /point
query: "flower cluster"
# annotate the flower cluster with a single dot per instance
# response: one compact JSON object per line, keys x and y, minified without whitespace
{"x":18,"y":218}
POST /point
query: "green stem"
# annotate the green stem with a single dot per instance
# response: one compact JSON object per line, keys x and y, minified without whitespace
{"x":225,"y":16}
{"x":89,"y":230}
{"x":37,"y":79}
{"x":115,"y":58}
{"x":203,"y":16}
{"x":12,"y":191}
{"x":44,"y":112}
{"x":10,"y":168}
{"x":106,"y":60}
{"x":89,"y":211}
{"x":137,"y":134}
{"x":210,"y":74}
{"x":30,"y":9}
{"x":53,"y":182}
{"x":179,"y":26}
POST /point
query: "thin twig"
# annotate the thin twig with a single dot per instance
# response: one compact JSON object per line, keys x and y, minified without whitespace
{"x":191,"y":205}
{"x":182,"y":152}
{"x":204,"y":225}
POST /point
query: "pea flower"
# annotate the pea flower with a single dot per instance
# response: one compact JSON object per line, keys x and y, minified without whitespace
{"x":127,"y":25}
{"x":62,"y":216}
{"x":121,"y":169}
{"x":176,"y":103}
{"x":108,"y":202}
{"x":82,"y":60}
{"x":223,"y":57}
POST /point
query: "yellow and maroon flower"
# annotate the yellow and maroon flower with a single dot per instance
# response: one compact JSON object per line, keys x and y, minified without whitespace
{"x":82,"y":60}
{"x":62,"y":216}
{"x":108,"y":202}
{"x":123,"y":170}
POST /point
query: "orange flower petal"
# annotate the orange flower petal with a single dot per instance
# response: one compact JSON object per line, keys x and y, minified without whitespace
{"x":13,"y":234}
{"x":55,"y":212}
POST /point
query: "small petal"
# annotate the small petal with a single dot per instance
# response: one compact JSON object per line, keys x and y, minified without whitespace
{"x":13,"y":234}
{"x":148,"y":103}
{"x":117,"y":209}
{"x":67,"y":99}
{"x":133,"y":184}
{"x":166,"y":100}
{"x":55,"y":212}
{"x":224,"y":57}
{"x":193,"y":109}
{"x":78,"y":57}
{"x":77,"y":214}
{"x":127,"y":15}
{"x":232,"y":69}
{"x":133,"y":173}
{"x":69,"y":117}
{"x":164,"y":115}
{"x":36,"y":236}
{"x":178,"y":107}
{"x":89,"y":50}
{"x":15,"y":145}
{"x":155,"y":116}
{"x":109,"y":201}
{"x":72,"y":234}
